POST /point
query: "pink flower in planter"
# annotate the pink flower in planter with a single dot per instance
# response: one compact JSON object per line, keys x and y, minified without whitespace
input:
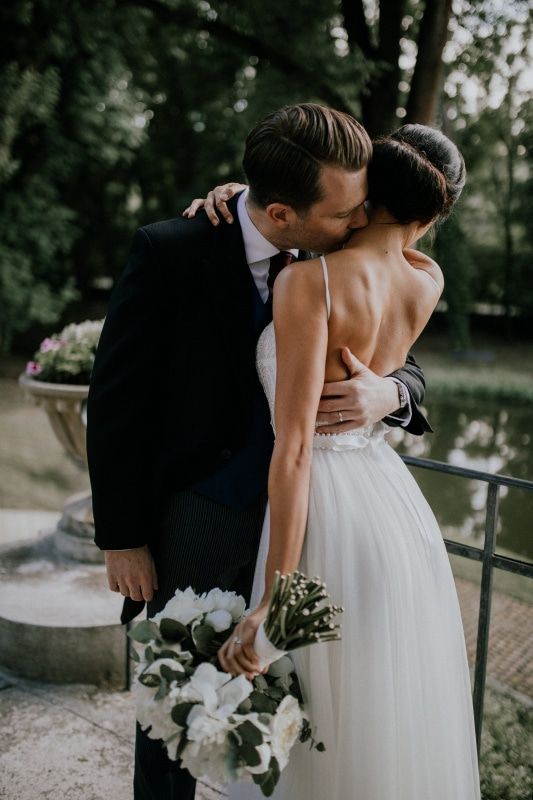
{"x":49,"y":344}
{"x":32,"y":368}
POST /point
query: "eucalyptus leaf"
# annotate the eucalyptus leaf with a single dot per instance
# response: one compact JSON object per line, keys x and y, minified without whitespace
{"x":172,"y":630}
{"x":274,"y":768}
{"x":163,"y":689}
{"x":150,"y":680}
{"x":260,"y":682}
{"x":268,"y":786}
{"x":170,"y":674}
{"x":250,"y":734}
{"x":262,"y":703}
{"x":203,"y":635}
{"x":276,"y":693}
{"x":169,"y":654}
{"x":180,"y":713}
{"x":145,"y":631}
{"x":250,"y":755}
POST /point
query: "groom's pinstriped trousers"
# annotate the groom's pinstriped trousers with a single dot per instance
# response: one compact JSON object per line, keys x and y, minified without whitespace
{"x":202,"y":544}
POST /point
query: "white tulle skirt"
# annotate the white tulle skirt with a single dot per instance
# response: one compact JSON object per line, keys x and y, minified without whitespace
{"x":392,"y":700}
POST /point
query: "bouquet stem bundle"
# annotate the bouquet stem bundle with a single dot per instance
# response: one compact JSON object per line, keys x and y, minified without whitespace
{"x":297,"y":616}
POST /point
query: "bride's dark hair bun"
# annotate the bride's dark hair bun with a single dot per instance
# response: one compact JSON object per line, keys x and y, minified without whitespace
{"x":416,"y":173}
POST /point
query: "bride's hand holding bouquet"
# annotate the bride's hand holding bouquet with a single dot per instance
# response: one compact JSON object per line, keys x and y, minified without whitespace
{"x":238,"y":654}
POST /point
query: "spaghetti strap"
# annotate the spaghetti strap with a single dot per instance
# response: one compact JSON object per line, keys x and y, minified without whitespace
{"x":326,"y":284}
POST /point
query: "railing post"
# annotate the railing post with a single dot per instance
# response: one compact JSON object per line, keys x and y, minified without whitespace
{"x":484,"y":609}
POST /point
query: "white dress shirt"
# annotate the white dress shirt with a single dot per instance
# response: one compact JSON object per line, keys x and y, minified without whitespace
{"x":258,"y":250}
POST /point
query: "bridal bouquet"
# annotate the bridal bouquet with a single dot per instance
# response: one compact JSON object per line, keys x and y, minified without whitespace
{"x":225,"y":728}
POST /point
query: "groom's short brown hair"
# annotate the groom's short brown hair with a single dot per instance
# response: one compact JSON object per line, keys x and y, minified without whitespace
{"x":285,"y":153}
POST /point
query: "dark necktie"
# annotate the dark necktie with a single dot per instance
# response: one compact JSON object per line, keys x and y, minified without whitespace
{"x":277,"y":262}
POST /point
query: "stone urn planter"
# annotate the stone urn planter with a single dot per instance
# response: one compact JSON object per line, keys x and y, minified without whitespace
{"x":59,"y":621}
{"x":64,"y":405}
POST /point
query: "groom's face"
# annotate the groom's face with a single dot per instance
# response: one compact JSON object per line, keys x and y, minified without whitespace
{"x":328,"y":223}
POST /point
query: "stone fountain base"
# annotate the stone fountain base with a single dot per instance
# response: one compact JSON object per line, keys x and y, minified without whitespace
{"x":59,"y":621}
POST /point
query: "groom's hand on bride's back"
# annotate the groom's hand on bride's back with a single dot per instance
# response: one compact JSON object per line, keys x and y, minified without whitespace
{"x":360,"y":400}
{"x":215,"y":203}
{"x":132,"y":572}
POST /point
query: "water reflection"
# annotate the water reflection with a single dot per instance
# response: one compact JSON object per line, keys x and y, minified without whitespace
{"x":481,"y":435}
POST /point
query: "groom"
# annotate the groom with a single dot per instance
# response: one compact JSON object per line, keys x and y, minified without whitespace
{"x":178,"y":430}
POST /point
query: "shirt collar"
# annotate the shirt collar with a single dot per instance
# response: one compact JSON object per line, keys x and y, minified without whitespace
{"x":257,"y":248}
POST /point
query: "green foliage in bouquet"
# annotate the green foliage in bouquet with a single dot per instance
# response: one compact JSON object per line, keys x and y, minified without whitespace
{"x":68,"y":356}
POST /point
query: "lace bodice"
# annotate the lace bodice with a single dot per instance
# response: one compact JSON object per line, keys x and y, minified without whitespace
{"x":266,"y":369}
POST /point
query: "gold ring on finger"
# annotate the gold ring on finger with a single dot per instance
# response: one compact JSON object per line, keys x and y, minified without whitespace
{"x":340,"y":415}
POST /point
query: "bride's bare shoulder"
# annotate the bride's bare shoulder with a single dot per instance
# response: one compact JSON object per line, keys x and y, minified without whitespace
{"x":423,"y":262}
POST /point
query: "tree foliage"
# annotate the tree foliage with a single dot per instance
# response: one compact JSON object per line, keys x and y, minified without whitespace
{"x":118,"y":112}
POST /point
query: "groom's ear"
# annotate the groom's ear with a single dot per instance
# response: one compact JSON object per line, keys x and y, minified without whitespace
{"x":281,"y":215}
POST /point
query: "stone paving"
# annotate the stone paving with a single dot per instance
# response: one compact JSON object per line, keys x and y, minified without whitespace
{"x":73,"y":742}
{"x":510,"y":658}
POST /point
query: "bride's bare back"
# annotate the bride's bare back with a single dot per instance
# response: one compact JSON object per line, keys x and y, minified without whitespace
{"x":380,"y":302}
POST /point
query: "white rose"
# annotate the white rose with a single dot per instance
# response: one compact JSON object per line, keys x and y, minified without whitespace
{"x":285,"y":727}
{"x":206,"y":761}
{"x":203,"y":685}
{"x":184,"y":607}
{"x":206,"y":727}
{"x":232,"y":694}
{"x":216,"y":599}
{"x":220,"y":619}
{"x":156,"y":713}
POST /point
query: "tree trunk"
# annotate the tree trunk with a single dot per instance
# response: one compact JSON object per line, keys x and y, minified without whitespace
{"x":380,"y":98}
{"x":427,"y":77}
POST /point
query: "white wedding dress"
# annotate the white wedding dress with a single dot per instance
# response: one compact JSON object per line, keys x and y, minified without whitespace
{"x":392,"y":699}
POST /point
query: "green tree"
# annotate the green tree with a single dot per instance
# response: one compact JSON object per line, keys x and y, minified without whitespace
{"x":57,"y":74}
{"x":117,"y":112}
{"x":486,"y":101}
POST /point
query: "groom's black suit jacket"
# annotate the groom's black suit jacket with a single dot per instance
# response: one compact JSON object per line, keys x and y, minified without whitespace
{"x":174,"y":373}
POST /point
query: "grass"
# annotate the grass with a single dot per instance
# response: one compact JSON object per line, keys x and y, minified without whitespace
{"x":493,"y":370}
{"x":506,"y":764}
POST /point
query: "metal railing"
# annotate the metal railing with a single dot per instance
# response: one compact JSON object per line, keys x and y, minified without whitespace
{"x":490,"y":561}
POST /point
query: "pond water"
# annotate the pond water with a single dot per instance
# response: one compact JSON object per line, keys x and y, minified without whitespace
{"x":484,"y":435}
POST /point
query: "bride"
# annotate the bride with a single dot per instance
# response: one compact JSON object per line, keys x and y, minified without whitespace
{"x":392,"y":699}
